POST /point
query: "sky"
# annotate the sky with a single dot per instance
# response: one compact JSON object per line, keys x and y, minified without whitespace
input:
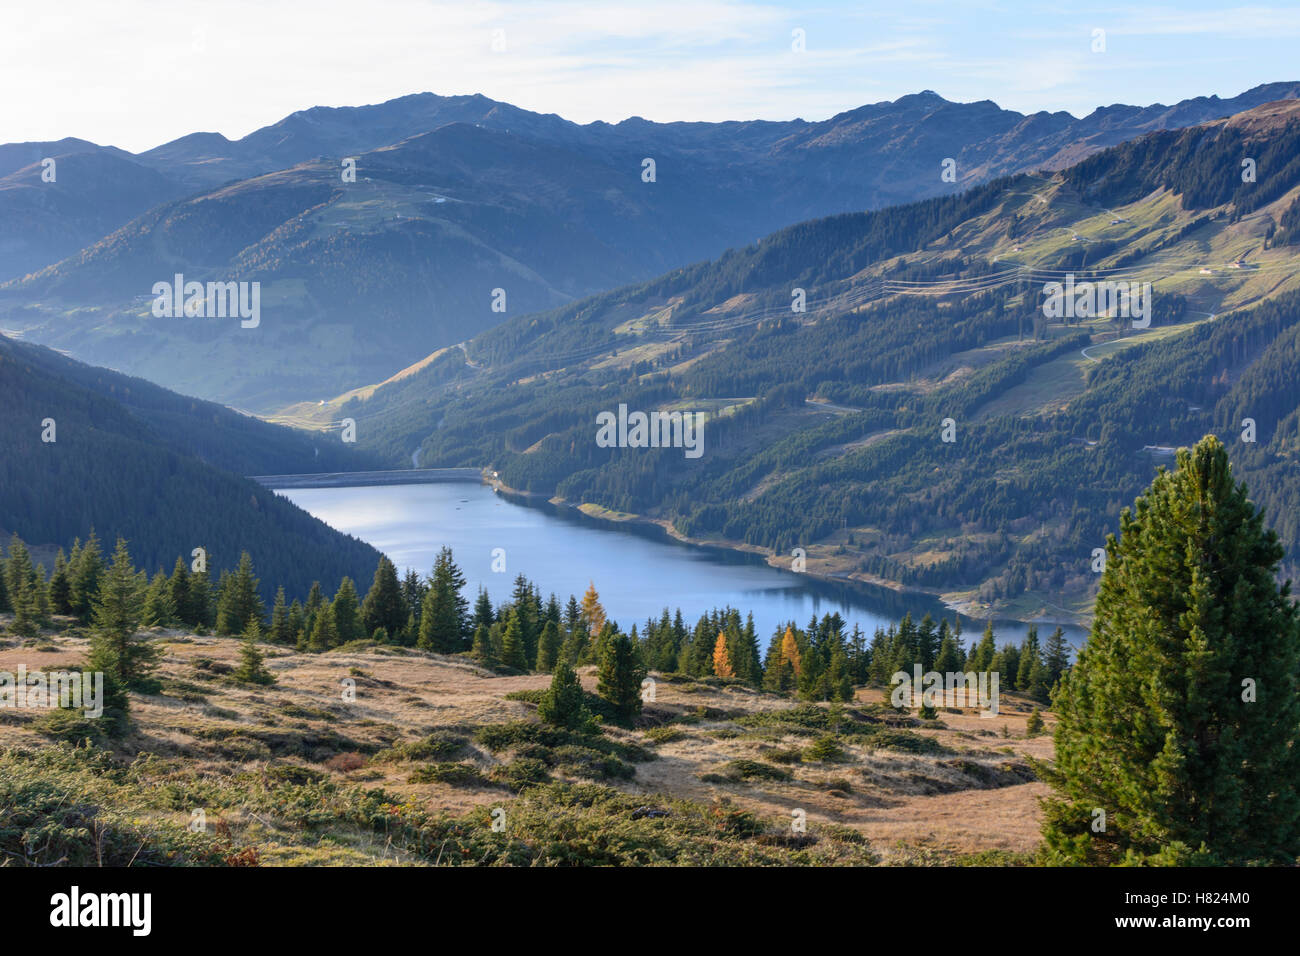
{"x":138,"y":73}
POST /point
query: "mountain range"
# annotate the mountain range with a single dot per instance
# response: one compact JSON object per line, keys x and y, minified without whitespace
{"x":456,"y":198}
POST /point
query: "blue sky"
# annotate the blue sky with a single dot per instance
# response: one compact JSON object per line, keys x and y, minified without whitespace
{"x":137,"y":73}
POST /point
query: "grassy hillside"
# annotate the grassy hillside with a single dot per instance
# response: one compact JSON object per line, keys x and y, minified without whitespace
{"x":412,"y":770}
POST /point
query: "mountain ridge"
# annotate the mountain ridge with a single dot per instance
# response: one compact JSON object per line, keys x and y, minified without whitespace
{"x":366,"y":276}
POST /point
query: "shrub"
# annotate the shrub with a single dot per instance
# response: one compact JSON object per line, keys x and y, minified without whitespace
{"x":522,"y":773}
{"x":824,"y":749}
{"x":457,"y":774}
{"x":346,"y":763}
{"x":742,"y":769}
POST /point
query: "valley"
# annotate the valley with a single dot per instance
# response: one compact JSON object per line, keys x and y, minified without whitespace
{"x":809,"y":418}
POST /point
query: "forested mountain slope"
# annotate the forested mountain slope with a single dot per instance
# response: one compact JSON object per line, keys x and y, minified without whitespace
{"x":826,"y":428}
{"x":164,"y":471}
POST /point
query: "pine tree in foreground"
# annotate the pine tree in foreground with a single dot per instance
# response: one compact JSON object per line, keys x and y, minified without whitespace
{"x":563,"y":704}
{"x":1179,"y":719}
{"x":252,"y":667}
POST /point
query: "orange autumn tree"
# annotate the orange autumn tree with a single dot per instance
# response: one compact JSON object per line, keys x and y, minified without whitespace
{"x":592,"y":612}
{"x":722,"y":658}
{"x":790,"y":651}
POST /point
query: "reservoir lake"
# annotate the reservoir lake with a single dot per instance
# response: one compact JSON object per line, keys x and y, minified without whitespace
{"x":637,"y":569}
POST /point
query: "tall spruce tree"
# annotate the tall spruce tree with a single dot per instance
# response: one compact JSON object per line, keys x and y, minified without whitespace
{"x":620,"y":676}
{"x":347,"y":613}
{"x":60,"y":586}
{"x":548,"y":647}
{"x":512,"y":646}
{"x":1180,"y":717}
{"x":84,"y":572}
{"x":1056,"y":657}
{"x":125,"y":662}
{"x":239,"y":602}
{"x":384,"y":605}
{"x":443,"y":617}
{"x":280,"y":631}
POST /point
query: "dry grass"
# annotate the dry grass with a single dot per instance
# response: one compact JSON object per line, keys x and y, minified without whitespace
{"x":976,"y":795}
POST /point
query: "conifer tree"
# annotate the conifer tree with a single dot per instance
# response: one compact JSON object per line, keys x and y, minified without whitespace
{"x":482,"y":647}
{"x":548,"y":647}
{"x":26,"y":622}
{"x":323,"y":633}
{"x":347,"y":613}
{"x":311,"y":610}
{"x":575,"y":645}
{"x":238,"y":602}
{"x":927,"y":643}
{"x":252,"y":666}
{"x":483,"y":614}
{"x":881,"y":660}
{"x":179,"y":583}
{"x":1030,"y":654}
{"x":1034,"y":724}
{"x":125,"y":662}
{"x":839,"y":681}
{"x":592,"y":612}
{"x":384,"y":605}
{"x":528,"y":607}
{"x":19,"y":573}
{"x":1056,"y":657}
{"x":413,"y":590}
{"x":202,"y":613}
{"x":722,"y":657}
{"x":60,"y":586}
{"x":84,"y":573}
{"x":158,"y":610}
{"x":512,"y":647}
{"x":280,"y":632}
{"x":620,"y":676}
{"x":1181,"y":715}
{"x":443,"y":616}
{"x":948,"y":660}
{"x":982,"y":654}
{"x":564,"y":704}
{"x":746,"y":662}
{"x":790,"y":652}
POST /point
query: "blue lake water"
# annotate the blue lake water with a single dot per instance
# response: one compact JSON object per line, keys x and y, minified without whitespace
{"x":637,"y":571}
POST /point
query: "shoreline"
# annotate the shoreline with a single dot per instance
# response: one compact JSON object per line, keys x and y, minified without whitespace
{"x":963,"y":608}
